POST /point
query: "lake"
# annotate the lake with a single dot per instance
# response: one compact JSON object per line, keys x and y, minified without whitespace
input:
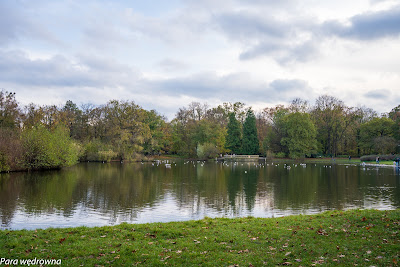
{"x":96,"y":194}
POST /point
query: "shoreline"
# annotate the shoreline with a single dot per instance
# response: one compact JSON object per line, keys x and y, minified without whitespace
{"x":354,"y":161}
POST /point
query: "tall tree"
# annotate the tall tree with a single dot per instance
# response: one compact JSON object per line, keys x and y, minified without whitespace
{"x":300,"y":135}
{"x":233,"y":138}
{"x":160,"y":133}
{"x":272,"y":141}
{"x":394,"y":114}
{"x":10,"y":113}
{"x":250,"y":144}
{"x":332,"y":118}
{"x":125,"y":128}
{"x":71,"y":117}
{"x":376,"y":136}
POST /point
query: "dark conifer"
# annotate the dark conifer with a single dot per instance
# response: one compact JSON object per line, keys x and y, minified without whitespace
{"x":250,"y":144}
{"x":233,"y":140}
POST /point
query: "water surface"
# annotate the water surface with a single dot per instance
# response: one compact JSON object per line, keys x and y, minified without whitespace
{"x":95,"y":194}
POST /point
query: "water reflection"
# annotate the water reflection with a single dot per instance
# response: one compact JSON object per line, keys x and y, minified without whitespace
{"x":103,"y":194}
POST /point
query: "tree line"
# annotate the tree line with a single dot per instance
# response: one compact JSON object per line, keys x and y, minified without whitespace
{"x":40,"y":137}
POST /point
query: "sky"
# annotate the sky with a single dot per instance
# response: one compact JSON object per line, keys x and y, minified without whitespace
{"x":163,"y":55}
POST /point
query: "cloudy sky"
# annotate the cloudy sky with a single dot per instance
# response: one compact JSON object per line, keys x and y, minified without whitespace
{"x":165,"y":54}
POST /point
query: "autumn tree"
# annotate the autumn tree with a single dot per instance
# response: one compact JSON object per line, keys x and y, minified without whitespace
{"x":160,"y":131}
{"x":272,"y":141}
{"x":299,"y":135}
{"x":125,"y":128}
{"x":332,"y":119}
{"x":10,"y":113}
{"x":376,"y":136}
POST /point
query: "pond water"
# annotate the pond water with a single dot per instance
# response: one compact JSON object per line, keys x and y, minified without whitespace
{"x":95,"y":194}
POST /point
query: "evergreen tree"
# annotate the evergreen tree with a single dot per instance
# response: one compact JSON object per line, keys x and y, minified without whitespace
{"x":250,"y":140}
{"x":233,"y":139}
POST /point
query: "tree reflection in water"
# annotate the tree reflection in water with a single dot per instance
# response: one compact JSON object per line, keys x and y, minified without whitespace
{"x":100,"y":194}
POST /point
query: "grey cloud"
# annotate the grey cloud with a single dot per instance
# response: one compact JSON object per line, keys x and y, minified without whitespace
{"x":378,"y":94}
{"x":16,"y":23}
{"x":11,"y":22}
{"x":300,"y":53}
{"x":266,"y":35}
{"x":262,"y":34}
{"x":59,"y":71}
{"x":285,"y":85}
{"x":233,"y":87}
{"x":283,"y":53}
{"x":367,"y":26}
{"x":16,"y":67}
{"x":260,"y":49}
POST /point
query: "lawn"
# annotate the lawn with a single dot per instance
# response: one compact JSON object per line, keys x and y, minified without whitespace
{"x":363,"y":237}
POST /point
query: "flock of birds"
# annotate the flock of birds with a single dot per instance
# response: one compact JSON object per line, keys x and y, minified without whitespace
{"x":170,"y":163}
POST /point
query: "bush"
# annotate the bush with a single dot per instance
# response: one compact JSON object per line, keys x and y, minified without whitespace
{"x":44,"y":149}
{"x":207,"y":151}
{"x":3,"y":163}
{"x":280,"y":155}
{"x":106,"y":155}
{"x":97,"y":151}
{"x":10,"y":149}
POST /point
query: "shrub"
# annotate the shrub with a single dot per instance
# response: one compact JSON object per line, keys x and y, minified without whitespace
{"x":280,"y":155}
{"x":207,"y":151}
{"x":3,"y":163}
{"x":10,"y":149}
{"x":95,"y":150}
{"x":106,"y":155}
{"x":44,"y":149}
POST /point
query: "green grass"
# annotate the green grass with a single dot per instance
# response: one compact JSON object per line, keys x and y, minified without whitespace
{"x":363,"y":237}
{"x":319,"y":160}
{"x":336,"y":160}
{"x":382,"y":162}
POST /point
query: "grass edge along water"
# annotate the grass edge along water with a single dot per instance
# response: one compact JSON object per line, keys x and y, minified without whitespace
{"x":363,"y":237}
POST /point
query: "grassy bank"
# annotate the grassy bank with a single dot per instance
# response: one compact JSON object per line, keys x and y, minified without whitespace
{"x":318,"y":160}
{"x":363,"y":237}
